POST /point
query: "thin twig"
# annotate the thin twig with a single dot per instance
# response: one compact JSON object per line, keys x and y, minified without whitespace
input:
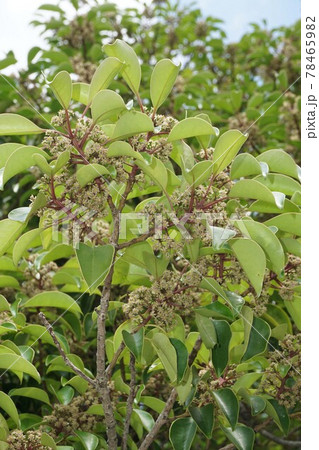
{"x":280,"y":440}
{"x":75,"y":369}
{"x":130,"y":401}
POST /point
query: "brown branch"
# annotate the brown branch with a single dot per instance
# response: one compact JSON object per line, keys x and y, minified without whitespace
{"x":130,"y":401}
{"x":163,"y":417}
{"x":140,"y":238}
{"x":279,"y":440}
{"x":70,"y":364}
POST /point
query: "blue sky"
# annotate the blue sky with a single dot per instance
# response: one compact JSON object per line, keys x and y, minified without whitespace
{"x":16,"y":34}
{"x":238,"y":14}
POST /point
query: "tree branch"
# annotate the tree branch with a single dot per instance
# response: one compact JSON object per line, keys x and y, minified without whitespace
{"x":279,"y":440}
{"x":130,"y":401}
{"x":163,"y":417}
{"x":75,"y":369}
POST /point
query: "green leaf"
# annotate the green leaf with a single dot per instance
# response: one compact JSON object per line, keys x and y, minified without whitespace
{"x":256,"y":190}
{"x":167,"y":354}
{"x":95,"y":263}
{"x":4,"y":304}
{"x":88,"y":440}
{"x":182,"y":433}
{"x":132,"y":69}
{"x":204,"y":417}
{"x":162,"y":81}
{"x":182,"y":358}
{"x":294,"y":308}
{"x":9,"y":407}
{"x":121,"y":148}
{"x":216,"y":310}
{"x":104,"y":76}
{"x":86,"y":174}
{"x":48,"y":441}
{"x":9,"y":231}
{"x":10,"y":361}
{"x":107,"y":105}
{"x":155,"y":169}
{"x":61,"y":86}
{"x":63,"y":158}
{"x":207,"y":330}
{"x":242,"y":437}
{"x":257,"y":404}
{"x":80,"y":93}
{"x":130,"y":124}
{"x":220,"y":351}
{"x":8,"y":281}
{"x":42,"y":163}
{"x":279,"y":183}
{"x":6,"y":150}
{"x":267,"y":240}
{"x":192,"y":126}
{"x":287,"y":222}
{"x":227,"y":147}
{"x":252,"y":259}
{"x":205,"y":141}
{"x":228,"y":403}
{"x":31,"y":392}
{"x":244,"y":165}
{"x":279,"y":413}
{"x":14,"y":124}
{"x":145,"y":418}
{"x":257,"y":341}
{"x":20,"y":160}
{"x":280,"y":161}
{"x":65,"y":395}
{"x":134,"y":342}
{"x":199,"y":173}
{"x":53,"y":299}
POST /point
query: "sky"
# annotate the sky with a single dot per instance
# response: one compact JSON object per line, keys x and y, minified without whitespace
{"x":16,"y":34}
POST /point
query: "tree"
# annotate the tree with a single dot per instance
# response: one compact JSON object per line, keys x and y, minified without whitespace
{"x":152,"y":284}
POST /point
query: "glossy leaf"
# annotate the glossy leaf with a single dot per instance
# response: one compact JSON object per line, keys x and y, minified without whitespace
{"x":279,"y":413}
{"x":279,"y":183}
{"x":242,"y":437}
{"x":9,"y":231}
{"x":20,"y":160}
{"x":23,"y":243}
{"x":107,"y":105}
{"x":131,"y":123}
{"x":255,"y":190}
{"x":220,"y":351}
{"x":88,"y":440}
{"x":9,"y":407}
{"x":279,"y":161}
{"x":252,"y":259}
{"x":121,"y":148}
{"x":182,"y":358}
{"x":288,"y":222}
{"x":104,"y":75}
{"x":182,"y":433}
{"x":135,"y":342}
{"x":53,"y":299}
{"x":31,"y":392}
{"x":86,"y":174}
{"x":61,"y":86}
{"x":204,"y":418}
{"x":162,"y":81}
{"x":167,"y":354}
{"x":10,"y":361}
{"x":258,"y":338}
{"x":132,"y":70}
{"x":267,"y":240}
{"x":227,"y":147}
{"x":14,"y":124}
{"x":192,"y":126}
{"x":207,"y":330}
{"x":244,"y":165}
{"x":95,"y":263}
{"x":80,"y":93}
{"x":228,"y":403}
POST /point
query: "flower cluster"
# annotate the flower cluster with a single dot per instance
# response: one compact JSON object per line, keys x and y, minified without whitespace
{"x":282,"y":378}
{"x":19,"y":440}
{"x":38,"y":279}
{"x":168,"y":295}
{"x":64,"y":419}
